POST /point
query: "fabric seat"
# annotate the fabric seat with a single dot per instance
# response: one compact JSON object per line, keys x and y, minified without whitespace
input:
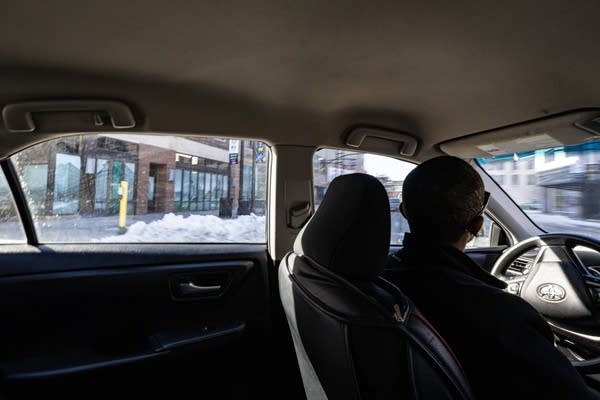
{"x":356,"y":335}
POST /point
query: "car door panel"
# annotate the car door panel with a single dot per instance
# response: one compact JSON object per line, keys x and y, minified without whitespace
{"x":75,"y":310}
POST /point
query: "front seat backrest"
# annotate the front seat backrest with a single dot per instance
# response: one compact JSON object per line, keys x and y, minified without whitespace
{"x":356,"y":335}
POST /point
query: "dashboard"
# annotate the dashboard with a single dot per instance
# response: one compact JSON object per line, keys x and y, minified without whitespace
{"x":521,"y":266}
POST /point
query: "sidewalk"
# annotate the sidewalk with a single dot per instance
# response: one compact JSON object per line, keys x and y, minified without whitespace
{"x":84,"y":229}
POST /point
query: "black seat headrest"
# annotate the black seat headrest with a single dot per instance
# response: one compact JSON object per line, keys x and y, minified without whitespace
{"x":350,"y":232}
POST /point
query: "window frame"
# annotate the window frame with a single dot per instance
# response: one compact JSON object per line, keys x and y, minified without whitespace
{"x":314,"y":165}
{"x":489,"y":214}
{"x":20,"y":202}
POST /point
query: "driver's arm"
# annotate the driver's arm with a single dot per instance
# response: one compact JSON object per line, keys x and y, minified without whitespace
{"x":541,"y":369}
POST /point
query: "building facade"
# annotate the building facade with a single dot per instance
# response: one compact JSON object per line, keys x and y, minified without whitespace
{"x":82,"y":175}
{"x":562,"y":180}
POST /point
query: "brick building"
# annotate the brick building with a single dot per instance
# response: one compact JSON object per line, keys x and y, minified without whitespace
{"x":82,"y":174}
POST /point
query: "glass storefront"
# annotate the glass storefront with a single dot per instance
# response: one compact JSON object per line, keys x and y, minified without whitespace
{"x":36,"y":176}
{"x":199,"y":191}
{"x":109,"y":174}
{"x":66,"y":184}
{"x":82,"y":175}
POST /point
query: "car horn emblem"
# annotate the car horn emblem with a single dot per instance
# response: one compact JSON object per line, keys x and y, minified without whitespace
{"x":551,"y":293}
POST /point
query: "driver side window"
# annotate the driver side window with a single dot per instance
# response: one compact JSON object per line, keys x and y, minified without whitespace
{"x":483,"y":237}
{"x":490,"y":235}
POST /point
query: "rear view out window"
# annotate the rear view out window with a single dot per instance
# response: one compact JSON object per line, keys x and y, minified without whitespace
{"x":330,"y":163}
{"x":146,"y":188}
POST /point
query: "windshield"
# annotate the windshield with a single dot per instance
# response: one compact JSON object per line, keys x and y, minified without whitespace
{"x":558,"y":187}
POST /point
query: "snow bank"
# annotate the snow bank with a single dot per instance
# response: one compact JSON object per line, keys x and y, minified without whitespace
{"x":195,"y":229}
{"x":544,"y":219}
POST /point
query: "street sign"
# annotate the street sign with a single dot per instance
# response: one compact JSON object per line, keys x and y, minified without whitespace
{"x":234,"y":149}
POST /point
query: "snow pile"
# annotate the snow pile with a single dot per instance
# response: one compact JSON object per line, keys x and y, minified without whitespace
{"x":195,"y":229}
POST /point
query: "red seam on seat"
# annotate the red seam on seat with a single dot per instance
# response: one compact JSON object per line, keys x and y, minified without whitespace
{"x":436,"y":333}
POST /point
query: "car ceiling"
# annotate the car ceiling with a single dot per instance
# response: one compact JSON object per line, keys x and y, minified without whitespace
{"x":301,"y":73}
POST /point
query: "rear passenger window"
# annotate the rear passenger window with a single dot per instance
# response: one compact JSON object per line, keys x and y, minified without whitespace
{"x":330,"y":163}
{"x":11,"y":229}
{"x":146,"y":188}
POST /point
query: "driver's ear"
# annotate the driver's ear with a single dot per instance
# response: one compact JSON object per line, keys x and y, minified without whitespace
{"x":402,"y":211}
{"x":476,"y":225}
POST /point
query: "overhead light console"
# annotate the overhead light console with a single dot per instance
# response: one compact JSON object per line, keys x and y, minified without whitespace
{"x":361,"y":136}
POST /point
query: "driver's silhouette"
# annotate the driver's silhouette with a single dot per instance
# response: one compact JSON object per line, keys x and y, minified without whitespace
{"x":505,"y":346}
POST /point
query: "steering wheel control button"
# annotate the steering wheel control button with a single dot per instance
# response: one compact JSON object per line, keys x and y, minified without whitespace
{"x":513,"y":288}
{"x":551,"y":293}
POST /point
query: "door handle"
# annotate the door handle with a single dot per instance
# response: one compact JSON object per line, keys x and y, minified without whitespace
{"x":201,"y":284}
{"x":191,"y":289}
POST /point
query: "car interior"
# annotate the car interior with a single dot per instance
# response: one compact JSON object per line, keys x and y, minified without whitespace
{"x":284,"y":116}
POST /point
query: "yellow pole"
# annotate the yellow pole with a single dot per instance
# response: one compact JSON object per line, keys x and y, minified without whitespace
{"x":123,"y":207}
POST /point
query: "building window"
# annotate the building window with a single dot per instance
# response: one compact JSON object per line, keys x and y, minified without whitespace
{"x":101,"y":184}
{"x":530,"y":164}
{"x":112,"y":144}
{"x":515,"y":179}
{"x":199,"y":191}
{"x":108,"y":176}
{"x":531,"y":180}
{"x":66,"y":184}
{"x":177,"y":189}
{"x":35,"y":177}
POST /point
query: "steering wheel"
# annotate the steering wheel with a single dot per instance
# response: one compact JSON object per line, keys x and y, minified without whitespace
{"x":559,"y":285}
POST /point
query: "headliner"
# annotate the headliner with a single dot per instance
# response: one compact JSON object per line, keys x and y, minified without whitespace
{"x":302,"y":72}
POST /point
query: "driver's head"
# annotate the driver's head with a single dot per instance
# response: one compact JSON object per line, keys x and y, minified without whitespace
{"x":442,"y":199}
